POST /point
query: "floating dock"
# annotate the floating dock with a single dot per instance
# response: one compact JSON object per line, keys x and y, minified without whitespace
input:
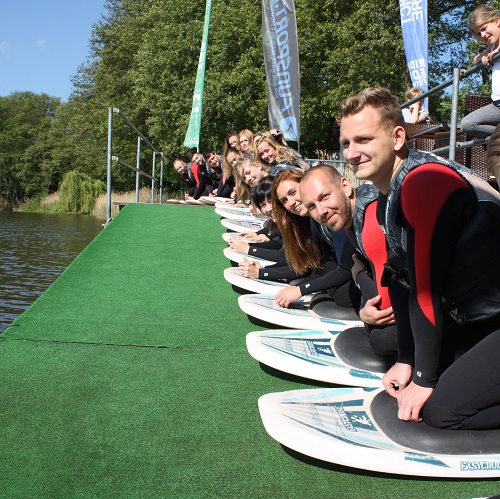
{"x":129,"y":377}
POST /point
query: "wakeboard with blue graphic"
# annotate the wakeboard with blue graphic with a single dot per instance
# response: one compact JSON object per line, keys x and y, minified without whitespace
{"x":242,"y":225}
{"x":234,"y":277}
{"x":245,"y":210}
{"x":298,"y":316}
{"x":312,"y":354}
{"x":228,"y":213}
{"x":238,"y":257}
{"x":233,"y":235}
{"x":359,"y":428}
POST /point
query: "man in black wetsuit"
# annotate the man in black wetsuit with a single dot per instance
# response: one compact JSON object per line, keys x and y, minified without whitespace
{"x":333,"y":202}
{"x":185,"y":173}
{"x":442,"y":225}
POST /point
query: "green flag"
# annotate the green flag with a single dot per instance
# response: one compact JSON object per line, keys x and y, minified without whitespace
{"x":193,"y":132}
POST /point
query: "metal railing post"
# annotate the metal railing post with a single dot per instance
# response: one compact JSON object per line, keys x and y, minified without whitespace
{"x":110,"y":159}
{"x":162,"y":166}
{"x":138,"y":166}
{"x":153,"y":180}
{"x":454,"y":113}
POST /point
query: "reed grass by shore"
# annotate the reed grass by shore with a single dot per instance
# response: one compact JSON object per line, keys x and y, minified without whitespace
{"x":51,"y":204}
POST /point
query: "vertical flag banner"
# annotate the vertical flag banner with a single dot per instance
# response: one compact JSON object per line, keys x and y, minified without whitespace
{"x":192,"y":138}
{"x":281,"y":55}
{"x":414,"y":26}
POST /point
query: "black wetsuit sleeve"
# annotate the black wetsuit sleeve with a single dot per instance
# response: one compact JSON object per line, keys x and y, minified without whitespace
{"x":339,"y":274}
{"x":200,"y":183}
{"x":366,"y":285}
{"x":280,"y":271}
{"x":274,"y":255}
{"x":270,"y":245}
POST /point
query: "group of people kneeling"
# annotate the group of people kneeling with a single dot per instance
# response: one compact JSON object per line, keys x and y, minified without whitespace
{"x":414,"y":252}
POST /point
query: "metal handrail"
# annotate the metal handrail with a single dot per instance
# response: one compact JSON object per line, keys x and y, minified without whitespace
{"x":140,"y":138}
{"x":458,"y":75}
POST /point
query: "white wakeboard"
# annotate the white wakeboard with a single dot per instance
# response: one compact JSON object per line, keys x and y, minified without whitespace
{"x":195,"y":202}
{"x":310,"y":354}
{"x":233,"y":209}
{"x":242,"y":225}
{"x":298,"y":316}
{"x":233,"y":235}
{"x":208,"y":200}
{"x":228,"y":201}
{"x":176,"y":201}
{"x":233,"y":276}
{"x":237,"y":257}
{"x":237,"y":216}
{"x":339,"y":425}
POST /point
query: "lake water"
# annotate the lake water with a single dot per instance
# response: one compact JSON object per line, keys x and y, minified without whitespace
{"x":34,"y":249}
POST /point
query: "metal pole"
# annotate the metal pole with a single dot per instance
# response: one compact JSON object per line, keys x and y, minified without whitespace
{"x":454,"y":113}
{"x":162,"y":166}
{"x":138,"y":166}
{"x":153,"y":181}
{"x":110,"y":160}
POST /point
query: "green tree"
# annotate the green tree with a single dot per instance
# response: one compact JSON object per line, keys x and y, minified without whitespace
{"x":144,"y":55}
{"x":32,"y":141}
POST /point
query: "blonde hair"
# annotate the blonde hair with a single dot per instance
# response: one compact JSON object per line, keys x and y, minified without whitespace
{"x":249,"y":135}
{"x":387,"y":106}
{"x":243,"y":190}
{"x":301,"y":251}
{"x":283,"y":153}
{"x":413,"y":92}
{"x":479,"y":17}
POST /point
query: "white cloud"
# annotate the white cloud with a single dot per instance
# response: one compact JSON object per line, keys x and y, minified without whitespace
{"x":40,"y":44}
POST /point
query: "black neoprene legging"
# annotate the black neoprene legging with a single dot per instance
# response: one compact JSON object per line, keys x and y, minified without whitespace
{"x":467,"y":395}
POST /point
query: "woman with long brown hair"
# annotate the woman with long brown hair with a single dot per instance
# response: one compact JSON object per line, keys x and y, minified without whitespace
{"x":307,"y":249}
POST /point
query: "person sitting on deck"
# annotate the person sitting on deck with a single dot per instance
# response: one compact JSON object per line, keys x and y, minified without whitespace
{"x":213,"y":166}
{"x":185,"y":173}
{"x":198,"y":168}
{"x":442,"y":226}
{"x":325,"y":258}
{"x":246,"y":143}
{"x":333,"y":202}
{"x":276,"y":155}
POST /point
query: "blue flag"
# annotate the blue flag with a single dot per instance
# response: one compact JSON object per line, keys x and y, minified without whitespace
{"x":281,"y":56}
{"x":414,"y":26}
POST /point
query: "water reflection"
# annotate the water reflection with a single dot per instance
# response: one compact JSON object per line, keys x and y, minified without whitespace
{"x":34,"y":249}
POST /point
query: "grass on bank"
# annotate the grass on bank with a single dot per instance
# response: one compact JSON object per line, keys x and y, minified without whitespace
{"x":80,"y":194}
{"x":51,"y":203}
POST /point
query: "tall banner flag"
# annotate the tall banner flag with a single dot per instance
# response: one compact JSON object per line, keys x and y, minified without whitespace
{"x":281,"y":55}
{"x":414,"y":26}
{"x":192,"y":138}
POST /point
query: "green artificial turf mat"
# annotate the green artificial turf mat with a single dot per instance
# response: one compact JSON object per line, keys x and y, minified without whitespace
{"x":130,"y":378}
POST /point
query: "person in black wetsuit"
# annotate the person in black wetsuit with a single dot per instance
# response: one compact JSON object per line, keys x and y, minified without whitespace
{"x":307,"y":251}
{"x":199,"y":172}
{"x":185,"y":173}
{"x":333,"y":202}
{"x":261,"y":201}
{"x":442,"y":225}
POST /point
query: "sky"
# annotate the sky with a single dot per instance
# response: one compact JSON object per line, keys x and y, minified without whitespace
{"x":42,"y":43}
